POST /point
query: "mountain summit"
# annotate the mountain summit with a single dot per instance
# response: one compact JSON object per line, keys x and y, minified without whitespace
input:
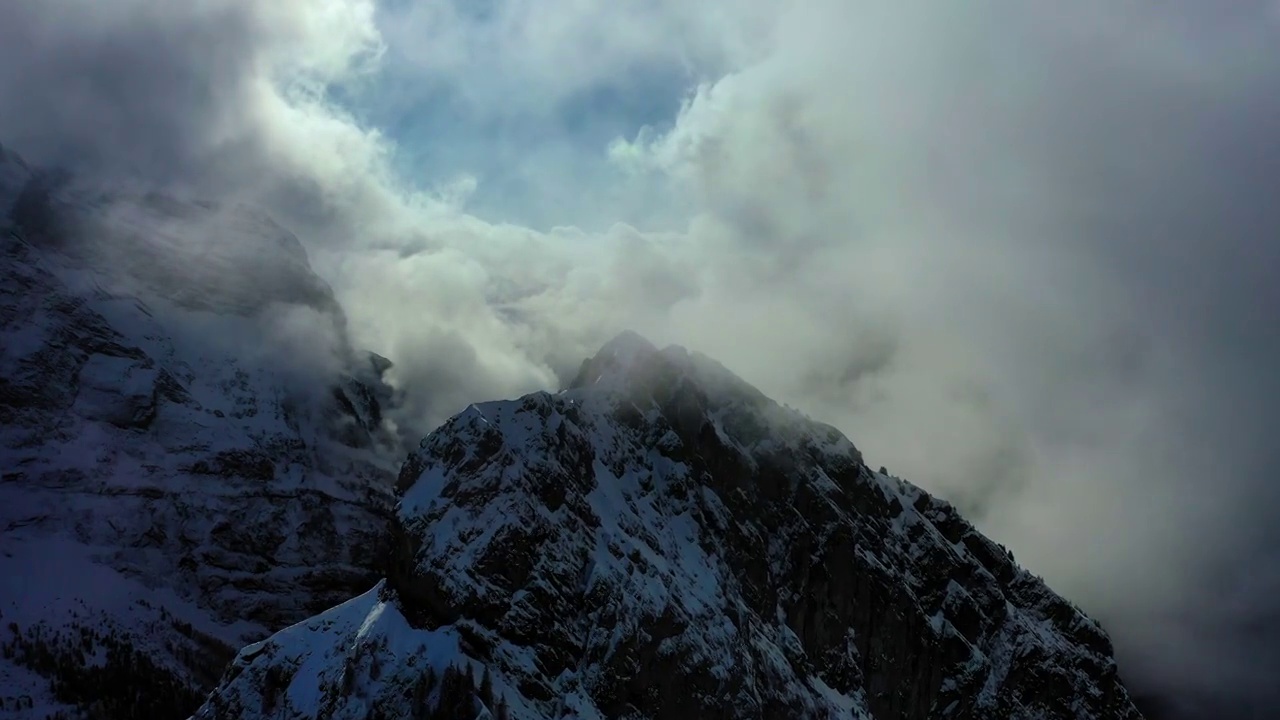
{"x":661,"y":540}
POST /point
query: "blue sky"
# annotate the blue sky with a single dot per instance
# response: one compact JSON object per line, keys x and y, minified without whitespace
{"x":538,"y":156}
{"x":529,"y":169}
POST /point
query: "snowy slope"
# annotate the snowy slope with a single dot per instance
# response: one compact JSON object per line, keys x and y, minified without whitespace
{"x":191,"y":454}
{"x":662,"y":541}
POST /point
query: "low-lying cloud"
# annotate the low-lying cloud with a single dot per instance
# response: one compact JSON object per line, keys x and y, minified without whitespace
{"x":1022,"y":254}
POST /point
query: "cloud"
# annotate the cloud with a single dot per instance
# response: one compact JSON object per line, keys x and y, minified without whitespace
{"x":168,"y":91}
{"x":1020,"y":253}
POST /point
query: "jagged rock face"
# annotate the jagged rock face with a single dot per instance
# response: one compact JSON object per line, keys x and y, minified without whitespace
{"x":166,"y":487}
{"x":663,"y":541}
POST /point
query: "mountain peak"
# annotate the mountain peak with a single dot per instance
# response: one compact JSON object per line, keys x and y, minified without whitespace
{"x":662,"y":541}
{"x":616,"y":360}
{"x":628,"y":345}
{"x":631,"y":366}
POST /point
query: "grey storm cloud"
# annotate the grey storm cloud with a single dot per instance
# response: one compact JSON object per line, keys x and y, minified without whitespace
{"x":131,"y":85}
{"x":1024,"y":254}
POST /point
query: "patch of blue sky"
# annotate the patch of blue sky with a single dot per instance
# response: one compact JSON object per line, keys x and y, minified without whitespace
{"x":541,"y":168}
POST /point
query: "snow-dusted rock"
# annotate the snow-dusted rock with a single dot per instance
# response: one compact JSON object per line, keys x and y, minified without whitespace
{"x":191,"y":455}
{"x":661,"y":540}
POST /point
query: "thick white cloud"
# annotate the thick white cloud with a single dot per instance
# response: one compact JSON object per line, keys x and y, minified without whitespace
{"x":1016,"y":251}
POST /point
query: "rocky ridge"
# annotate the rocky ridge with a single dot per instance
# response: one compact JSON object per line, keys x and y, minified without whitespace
{"x":661,"y":540}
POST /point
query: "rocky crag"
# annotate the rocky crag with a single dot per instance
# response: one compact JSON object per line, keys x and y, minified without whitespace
{"x":192,"y":456}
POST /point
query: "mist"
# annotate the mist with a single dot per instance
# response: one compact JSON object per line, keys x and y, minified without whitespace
{"x":1022,"y":254}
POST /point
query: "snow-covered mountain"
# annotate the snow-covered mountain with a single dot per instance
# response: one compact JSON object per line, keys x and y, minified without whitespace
{"x":191,"y":454}
{"x":661,"y":540}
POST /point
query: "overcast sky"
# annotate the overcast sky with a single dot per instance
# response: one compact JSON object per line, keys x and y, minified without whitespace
{"x":1024,"y":254}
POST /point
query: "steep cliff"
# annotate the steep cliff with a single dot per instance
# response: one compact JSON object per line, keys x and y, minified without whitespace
{"x":661,"y":540}
{"x":191,"y":453}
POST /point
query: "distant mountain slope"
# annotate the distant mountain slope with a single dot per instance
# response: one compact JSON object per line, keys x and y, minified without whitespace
{"x":663,"y":541}
{"x":191,"y":454}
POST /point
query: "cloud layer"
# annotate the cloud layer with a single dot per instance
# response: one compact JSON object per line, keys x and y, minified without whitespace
{"x":1023,"y":255}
